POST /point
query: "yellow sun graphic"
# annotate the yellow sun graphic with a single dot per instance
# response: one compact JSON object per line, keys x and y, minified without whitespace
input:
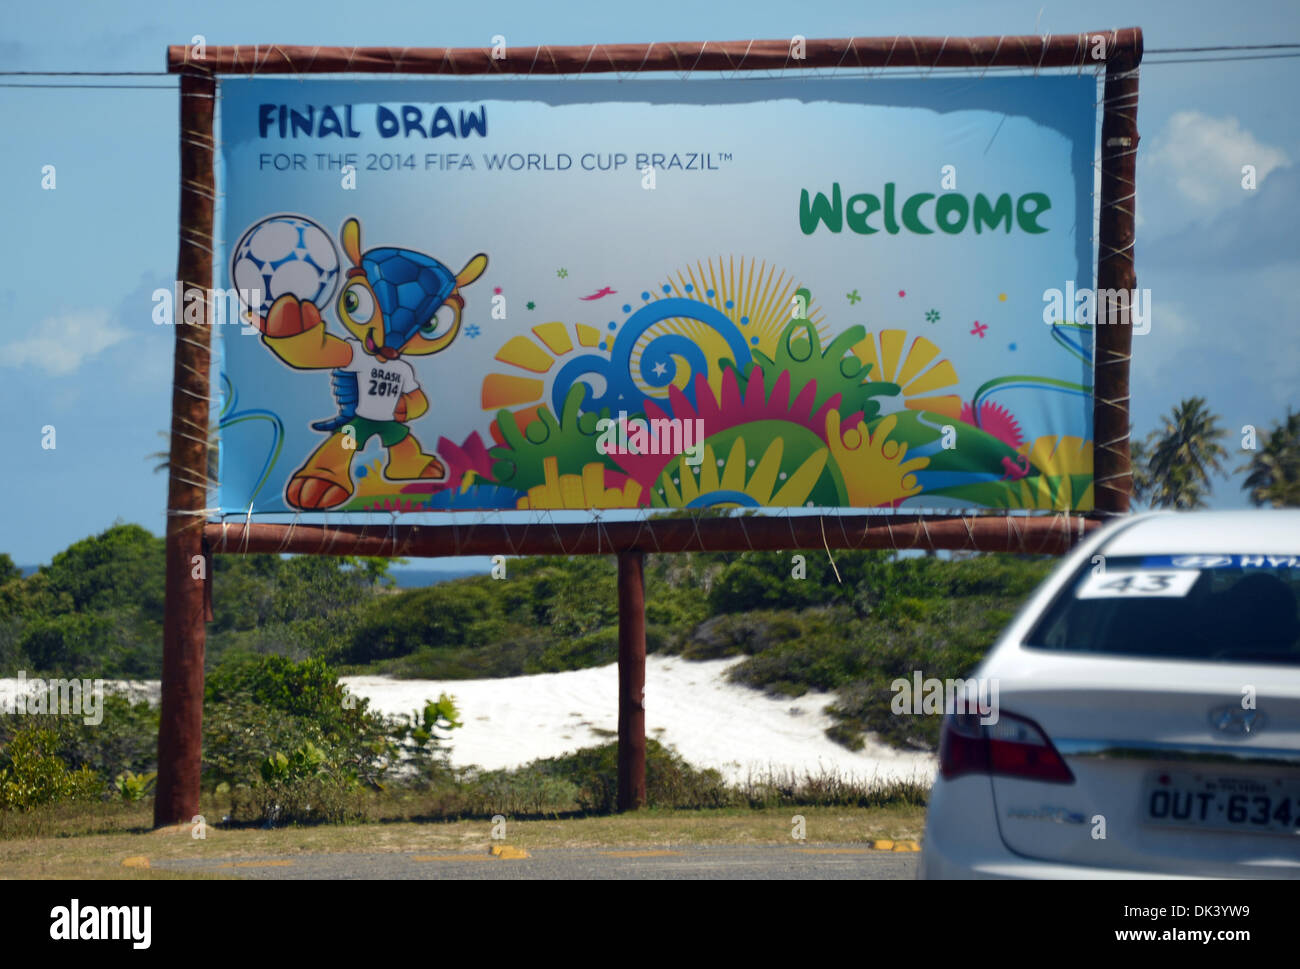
{"x":913,"y":372}
{"x":533,"y":355}
{"x":761,"y":296}
{"x":757,"y":297}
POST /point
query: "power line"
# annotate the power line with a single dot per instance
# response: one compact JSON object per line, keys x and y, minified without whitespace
{"x":96,"y":87}
{"x":84,"y":73}
{"x":1189,"y":50}
{"x":1212,"y":60}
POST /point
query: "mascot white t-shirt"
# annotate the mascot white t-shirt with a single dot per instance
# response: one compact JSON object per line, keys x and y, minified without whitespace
{"x":380,"y":383}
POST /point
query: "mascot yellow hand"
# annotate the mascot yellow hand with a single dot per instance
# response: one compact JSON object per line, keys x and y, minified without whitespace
{"x":873,"y":466}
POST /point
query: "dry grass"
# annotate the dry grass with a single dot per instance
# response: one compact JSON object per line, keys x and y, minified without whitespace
{"x":95,"y":846}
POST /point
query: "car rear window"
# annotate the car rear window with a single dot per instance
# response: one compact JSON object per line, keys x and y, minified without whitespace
{"x":1225,"y":608}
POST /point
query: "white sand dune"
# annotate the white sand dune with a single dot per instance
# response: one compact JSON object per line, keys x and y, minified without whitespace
{"x":689,"y":706}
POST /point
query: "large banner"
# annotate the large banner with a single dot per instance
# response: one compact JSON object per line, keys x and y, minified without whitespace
{"x":524,"y":294}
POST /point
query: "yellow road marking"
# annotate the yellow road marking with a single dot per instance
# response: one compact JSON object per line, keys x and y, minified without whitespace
{"x":507,"y":852}
{"x":638,"y":854}
{"x":257,"y":864}
{"x":135,"y":861}
{"x":883,"y":844}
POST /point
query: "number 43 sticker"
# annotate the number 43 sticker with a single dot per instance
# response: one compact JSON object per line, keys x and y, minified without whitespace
{"x":1116,"y":584}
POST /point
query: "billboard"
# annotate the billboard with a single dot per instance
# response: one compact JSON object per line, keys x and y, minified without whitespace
{"x":541,"y":294}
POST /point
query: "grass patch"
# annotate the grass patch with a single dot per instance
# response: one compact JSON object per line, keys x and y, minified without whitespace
{"x":100,"y":855}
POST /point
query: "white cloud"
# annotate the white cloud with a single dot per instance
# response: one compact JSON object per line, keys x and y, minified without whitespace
{"x":1198,"y":159}
{"x":59,"y":345}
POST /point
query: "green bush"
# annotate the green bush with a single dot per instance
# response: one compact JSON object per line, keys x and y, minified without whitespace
{"x":670,"y":781}
{"x":315,"y":799}
{"x":239,"y":734}
{"x":125,"y":742}
{"x":309,"y":690}
{"x":32,"y":775}
{"x":526,"y":791}
{"x":450,"y":614}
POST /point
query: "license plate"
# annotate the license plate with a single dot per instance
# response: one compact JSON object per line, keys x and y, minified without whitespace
{"x":1222,"y":802}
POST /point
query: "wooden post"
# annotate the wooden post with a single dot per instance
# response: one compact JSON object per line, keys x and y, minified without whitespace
{"x":631,"y":680}
{"x":180,"y":729}
{"x":1112,"y":466}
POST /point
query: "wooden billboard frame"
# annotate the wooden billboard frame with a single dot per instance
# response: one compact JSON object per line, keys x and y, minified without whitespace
{"x":192,"y":539}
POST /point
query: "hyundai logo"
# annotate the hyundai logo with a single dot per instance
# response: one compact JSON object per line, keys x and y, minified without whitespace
{"x":1202,"y":561}
{"x":1232,"y":720}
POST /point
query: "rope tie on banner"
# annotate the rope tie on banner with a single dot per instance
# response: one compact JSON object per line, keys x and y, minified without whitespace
{"x":937,"y":57}
{"x":288,"y":60}
{"x":645,"y":523}
{"x":698,"y":57}
{"x":522,"y":538}
{"x":844,"y":534}
{"x":745,"y":531}
{"x":699,"y":541}
{"x":288,"y":534}
{"x":333,"y":534}
{"x":646,"y":57}
{"x":1042,"y":56}
{"x":550,"y":517}
{"x":577,"y":542}
{"x":247,"y":533}
{"x":826,"y":545}
{"x":848,"y":47}
{"x":892,"y":47}
{"x":390,"y":540}
{"x":992,"y":59}
{"x":555,"y":67}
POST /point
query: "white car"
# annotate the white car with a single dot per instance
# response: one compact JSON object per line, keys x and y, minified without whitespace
{"x":1147,"y":715}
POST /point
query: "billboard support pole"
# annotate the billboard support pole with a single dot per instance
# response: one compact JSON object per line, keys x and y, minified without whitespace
{"x":631,"y":680}
{"x":180,"y":727}
{"x":1112,"y":466}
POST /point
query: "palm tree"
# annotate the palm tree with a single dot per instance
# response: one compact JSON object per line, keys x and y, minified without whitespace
{"x":1139,"y":458}
{"x":1183,"y":454}
{"x":163,"y":458}
{"x":1274,"y":468}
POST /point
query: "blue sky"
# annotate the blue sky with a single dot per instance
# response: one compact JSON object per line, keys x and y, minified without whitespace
{"x":78,"y":349}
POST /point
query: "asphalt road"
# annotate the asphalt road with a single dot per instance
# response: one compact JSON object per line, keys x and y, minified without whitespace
{"x":764,"y":862}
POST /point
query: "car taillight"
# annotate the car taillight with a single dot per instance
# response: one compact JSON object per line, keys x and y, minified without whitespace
{"x":1012,"y":747}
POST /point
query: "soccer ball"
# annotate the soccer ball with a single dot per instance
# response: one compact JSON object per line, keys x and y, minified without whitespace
{"x":284,"y":254}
